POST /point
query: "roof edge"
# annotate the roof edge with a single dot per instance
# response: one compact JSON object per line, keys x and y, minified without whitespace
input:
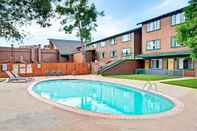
{"x":50,"y":39}
{"x":119,"y":34}
{"x":165,"y":54}
{"x":161,"y":16}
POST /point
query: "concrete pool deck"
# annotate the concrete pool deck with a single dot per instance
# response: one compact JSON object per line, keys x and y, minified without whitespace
{"x":19,"y":111}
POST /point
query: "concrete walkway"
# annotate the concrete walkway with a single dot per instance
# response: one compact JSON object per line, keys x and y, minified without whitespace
{"x":21,"y":112}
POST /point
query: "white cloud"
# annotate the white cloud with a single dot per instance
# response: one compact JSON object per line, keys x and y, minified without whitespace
{"x":169,"y":5}
{"x":108,"y":26}
{"x":164,"y":6}
{"x":38,"y":35}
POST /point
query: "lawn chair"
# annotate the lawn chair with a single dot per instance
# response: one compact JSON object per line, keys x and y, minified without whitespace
{"x":16,"y":78}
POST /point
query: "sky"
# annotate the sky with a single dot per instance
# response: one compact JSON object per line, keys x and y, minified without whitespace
{"x":120,"y":16}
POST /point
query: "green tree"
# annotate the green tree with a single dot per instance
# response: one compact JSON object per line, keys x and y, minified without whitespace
{"x":16,"y":13}
{"x":187,"y":32}
{"x":79,"y":16}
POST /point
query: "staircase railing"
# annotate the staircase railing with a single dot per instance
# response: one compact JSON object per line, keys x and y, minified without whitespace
{"x":116,"y":61}
{"x":178,"y":73}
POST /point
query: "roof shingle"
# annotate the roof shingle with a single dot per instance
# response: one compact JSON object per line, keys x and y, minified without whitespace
{"x":66,"y":47}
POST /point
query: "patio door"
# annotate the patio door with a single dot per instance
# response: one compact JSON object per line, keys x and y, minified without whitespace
{"x":171,"y":64}
{"x":156,"y":64}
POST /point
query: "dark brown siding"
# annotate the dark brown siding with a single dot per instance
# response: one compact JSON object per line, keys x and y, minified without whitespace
{"x":138,"y":42}
{"x":27,"y":55}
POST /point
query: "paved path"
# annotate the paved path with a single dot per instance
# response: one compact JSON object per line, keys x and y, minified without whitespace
{"x":21,"y":112}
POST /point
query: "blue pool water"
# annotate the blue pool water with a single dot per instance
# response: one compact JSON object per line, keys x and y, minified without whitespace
{"x":102,"y":97}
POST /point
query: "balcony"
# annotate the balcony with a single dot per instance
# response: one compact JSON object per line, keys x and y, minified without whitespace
{"x":176,"y":73}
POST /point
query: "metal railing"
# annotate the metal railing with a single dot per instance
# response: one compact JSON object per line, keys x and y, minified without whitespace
{"x":115,"y":61}
{"x":150,"y":86}
{"x":178,"y":73}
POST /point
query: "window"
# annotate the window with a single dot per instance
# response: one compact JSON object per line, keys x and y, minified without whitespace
{"x":174,"y":43}
{"x":184,"y":63}
{"x":113,"y":53}
{"x":126,"y":52}
{"x":177,"y":19}
{"x":102,"y":55}
{"x":153,"y":26}
{"x":126,"y":37}
{"x":113,"y":41}
{"x":156,"y":63}
{"x":103,"y":44}
{"x":153,"y":45}
{"x":94,"y":45}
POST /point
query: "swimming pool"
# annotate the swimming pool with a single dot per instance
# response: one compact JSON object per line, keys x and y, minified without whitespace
{"x":103,"y":97}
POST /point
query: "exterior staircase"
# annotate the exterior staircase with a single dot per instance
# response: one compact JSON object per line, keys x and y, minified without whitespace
{"x":122,"y":65}
{"x":110,"y":65}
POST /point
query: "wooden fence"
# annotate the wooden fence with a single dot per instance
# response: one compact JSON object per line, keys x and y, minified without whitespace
{"x":46,"y":69}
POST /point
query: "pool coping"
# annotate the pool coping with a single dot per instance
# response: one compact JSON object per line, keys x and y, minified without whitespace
{"x":178,"y":106}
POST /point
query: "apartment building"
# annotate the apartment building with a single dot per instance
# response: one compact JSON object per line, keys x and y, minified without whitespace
{"x":125,"y":45}
{"x":160,"y":49}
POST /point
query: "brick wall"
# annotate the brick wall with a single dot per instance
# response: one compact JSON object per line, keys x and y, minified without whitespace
{"x":164,"y":34}
{"x":118,"y":46}
{"x":127,"y":67}
{"x":134,"y":44}
{"x":28,"y":55}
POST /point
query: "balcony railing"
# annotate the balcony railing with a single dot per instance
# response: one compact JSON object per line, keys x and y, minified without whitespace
{"x":177,"y":73}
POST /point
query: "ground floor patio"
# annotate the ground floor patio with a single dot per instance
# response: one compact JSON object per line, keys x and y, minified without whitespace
{"x":174,"y":64}
{"x":19,"y":111}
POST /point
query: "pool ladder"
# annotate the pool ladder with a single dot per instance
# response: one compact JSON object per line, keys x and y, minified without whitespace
{"x":149,"y":86}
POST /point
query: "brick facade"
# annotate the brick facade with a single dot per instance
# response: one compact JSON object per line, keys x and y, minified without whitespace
{"x":164,"y":34}
{"x":133,"y":44}
{"x":166,"y":57}
{"x":126,"y":67}
{"x":124,"y":46}
{"x":118,"y":46}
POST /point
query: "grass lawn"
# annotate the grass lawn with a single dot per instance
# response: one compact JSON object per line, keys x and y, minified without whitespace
{"x":192,"y":83}
{"x":142,"y":77}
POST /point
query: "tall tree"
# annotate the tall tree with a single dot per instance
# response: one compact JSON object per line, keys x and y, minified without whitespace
{"x":187,"y":32}
{"x":79,"y":16}
{"x":16,"y":13}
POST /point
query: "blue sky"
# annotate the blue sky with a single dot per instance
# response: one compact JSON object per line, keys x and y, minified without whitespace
{"x":120,"y":16}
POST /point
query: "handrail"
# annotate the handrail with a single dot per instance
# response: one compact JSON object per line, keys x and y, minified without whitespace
{"x":116,"y":61}
{"x":150,"y":86}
